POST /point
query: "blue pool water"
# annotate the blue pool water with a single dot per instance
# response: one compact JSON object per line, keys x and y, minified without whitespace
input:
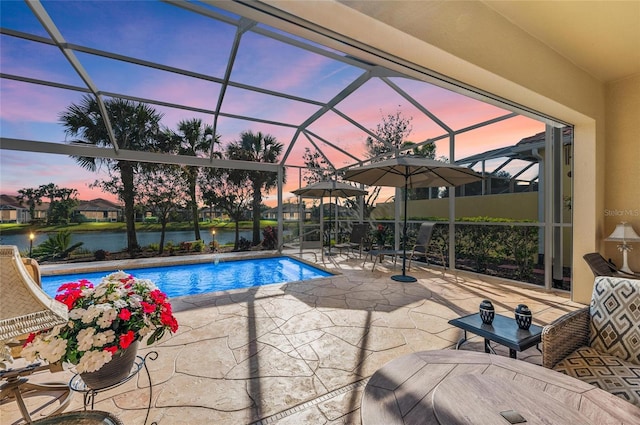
{"x":191,"y":279}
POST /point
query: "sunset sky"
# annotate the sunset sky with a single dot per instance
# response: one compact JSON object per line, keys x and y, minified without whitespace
{"x":199,"y":45}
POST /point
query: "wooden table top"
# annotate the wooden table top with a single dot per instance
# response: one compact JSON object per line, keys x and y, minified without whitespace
{"x":405,"y":389}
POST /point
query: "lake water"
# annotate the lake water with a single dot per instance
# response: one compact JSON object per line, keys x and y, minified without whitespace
{"x":117,"y":241}
{"x":191,"y":279}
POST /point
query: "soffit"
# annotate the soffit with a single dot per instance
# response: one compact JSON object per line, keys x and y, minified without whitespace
{"x":601,"y":37}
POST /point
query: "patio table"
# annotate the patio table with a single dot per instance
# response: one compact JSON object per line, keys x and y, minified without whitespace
{"x":465,"y":387}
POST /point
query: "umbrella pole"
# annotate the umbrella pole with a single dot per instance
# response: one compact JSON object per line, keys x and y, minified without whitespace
{"x":403,"y":277}
{"x":329,"y":253}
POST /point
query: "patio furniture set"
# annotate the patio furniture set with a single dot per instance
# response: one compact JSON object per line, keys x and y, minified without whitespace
{"x":596,"y":350}
{"x":591,"y":357}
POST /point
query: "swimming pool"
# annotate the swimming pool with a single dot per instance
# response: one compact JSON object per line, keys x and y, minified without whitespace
{"x":192,"y":279}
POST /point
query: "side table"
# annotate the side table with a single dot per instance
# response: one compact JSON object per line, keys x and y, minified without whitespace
{"x":89,"y":394}
{"x":504,"y":331}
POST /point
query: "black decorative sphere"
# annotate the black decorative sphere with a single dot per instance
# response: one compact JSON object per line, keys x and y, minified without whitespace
{"x":487,"y":312}
{"x":523,"y":316}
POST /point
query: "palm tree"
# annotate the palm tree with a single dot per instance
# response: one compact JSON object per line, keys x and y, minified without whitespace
{"x":135,"y":126}
{"x":257,"y":148}
{"x":195,"y":139}
{"x":32,"y":197}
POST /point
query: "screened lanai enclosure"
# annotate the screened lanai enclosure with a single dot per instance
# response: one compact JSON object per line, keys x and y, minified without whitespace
{"x":248,"y":67}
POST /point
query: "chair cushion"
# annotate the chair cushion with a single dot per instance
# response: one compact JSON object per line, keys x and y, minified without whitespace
{"x":604,"y":371}
{"x":615,"y":318}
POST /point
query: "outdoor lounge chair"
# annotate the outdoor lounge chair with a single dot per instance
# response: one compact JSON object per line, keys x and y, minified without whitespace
{"x":422,"y":242}
{"x":25,"y":308}
{"x":601,"y":267}
{"x":357,"y":239}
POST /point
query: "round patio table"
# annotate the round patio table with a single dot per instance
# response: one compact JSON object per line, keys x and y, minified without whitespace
{"x":464,"y":387}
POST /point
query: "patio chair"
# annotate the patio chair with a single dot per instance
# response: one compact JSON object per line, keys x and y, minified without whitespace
{"x":25,"y":308}
{"x":601,"y":267}
{"x":357,"y":239}
{"x":599,"y":344}
{"x":422,"y":242}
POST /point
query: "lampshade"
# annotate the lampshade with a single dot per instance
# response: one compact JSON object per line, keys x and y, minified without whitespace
{"x":24,"y":306}
{"x":623,"y":233}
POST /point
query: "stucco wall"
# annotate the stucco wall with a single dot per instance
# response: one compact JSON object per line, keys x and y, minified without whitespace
{"x":622,"y":175}
{"x":470,"y":42}
{"x":517,"y":206}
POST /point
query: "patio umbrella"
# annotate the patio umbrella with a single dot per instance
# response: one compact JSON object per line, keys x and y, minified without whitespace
{"x":329,"y":188}
{"x":411,"y":172}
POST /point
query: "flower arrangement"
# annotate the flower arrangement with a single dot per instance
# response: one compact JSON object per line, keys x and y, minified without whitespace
{"x":103,"y":321}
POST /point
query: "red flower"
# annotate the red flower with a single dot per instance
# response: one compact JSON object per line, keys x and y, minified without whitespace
{"x":124,"y":314}
{"x":147,"y":308}
{"x":157,"y":296}
{"x":29,"y":339}
{"x":69,"y":298}
{"x":126,"y":340}
{"x":167,"y":319}
{"x":112,"y":349}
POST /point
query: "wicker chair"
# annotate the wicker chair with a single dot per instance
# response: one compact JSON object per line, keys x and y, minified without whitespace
{"x":601,"y":267}
{"x":25,"y":308}
{"x":598,"y":344}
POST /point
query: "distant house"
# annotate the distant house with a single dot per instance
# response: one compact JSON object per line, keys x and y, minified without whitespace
{"x":11,"y":211}
{"x":289,"y":212}
{"x":100,"y":210}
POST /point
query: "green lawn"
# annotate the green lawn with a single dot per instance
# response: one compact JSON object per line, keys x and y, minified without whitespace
{"x":12,"y":228}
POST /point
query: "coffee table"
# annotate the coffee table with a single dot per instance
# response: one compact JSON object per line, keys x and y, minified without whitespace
{"x":504,"y":331}
{"x":450,"y":387}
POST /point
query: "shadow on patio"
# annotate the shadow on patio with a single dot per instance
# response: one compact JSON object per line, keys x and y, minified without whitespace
{"x":302,"y":352}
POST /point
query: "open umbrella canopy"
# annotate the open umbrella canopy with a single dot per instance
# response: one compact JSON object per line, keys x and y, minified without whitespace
{"x":412,"y":172}
{"x":329,"y":188}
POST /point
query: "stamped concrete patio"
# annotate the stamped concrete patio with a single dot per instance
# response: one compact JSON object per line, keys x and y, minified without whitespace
{"x":301,"y":353}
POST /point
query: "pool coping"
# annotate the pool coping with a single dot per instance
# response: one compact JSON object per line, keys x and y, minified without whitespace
{"x":140,"y":263}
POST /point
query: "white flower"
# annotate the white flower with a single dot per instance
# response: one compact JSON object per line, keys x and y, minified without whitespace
{"x":92,"y":313}
{"x":30,"y":351}
{"x":109,"y":336}
{"x":119,"y":275}
{"x":144,"y":331}
{"x":114,"y":296}
{"x":99,"y":340}
{"x":100,"y":290}
{"x":54,"y":350}
{"x":77,"y":313}
{"x":120,"y":304}
{"x":109,"y":314}
{"x":134,"y":301}
{"x":93,"y":360}
{"x":85,"y":339}
{"x":56,"y":330}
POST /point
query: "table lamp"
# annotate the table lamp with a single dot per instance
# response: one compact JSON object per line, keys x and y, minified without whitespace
{"x":624,"y":233}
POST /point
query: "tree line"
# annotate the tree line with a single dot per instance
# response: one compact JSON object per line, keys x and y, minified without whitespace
{"x":162,"y":188}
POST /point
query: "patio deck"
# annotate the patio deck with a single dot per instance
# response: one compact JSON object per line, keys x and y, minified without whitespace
{"x":301,"y":353}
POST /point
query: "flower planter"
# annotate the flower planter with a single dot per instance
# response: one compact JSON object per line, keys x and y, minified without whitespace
{"x":114,"y":371}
